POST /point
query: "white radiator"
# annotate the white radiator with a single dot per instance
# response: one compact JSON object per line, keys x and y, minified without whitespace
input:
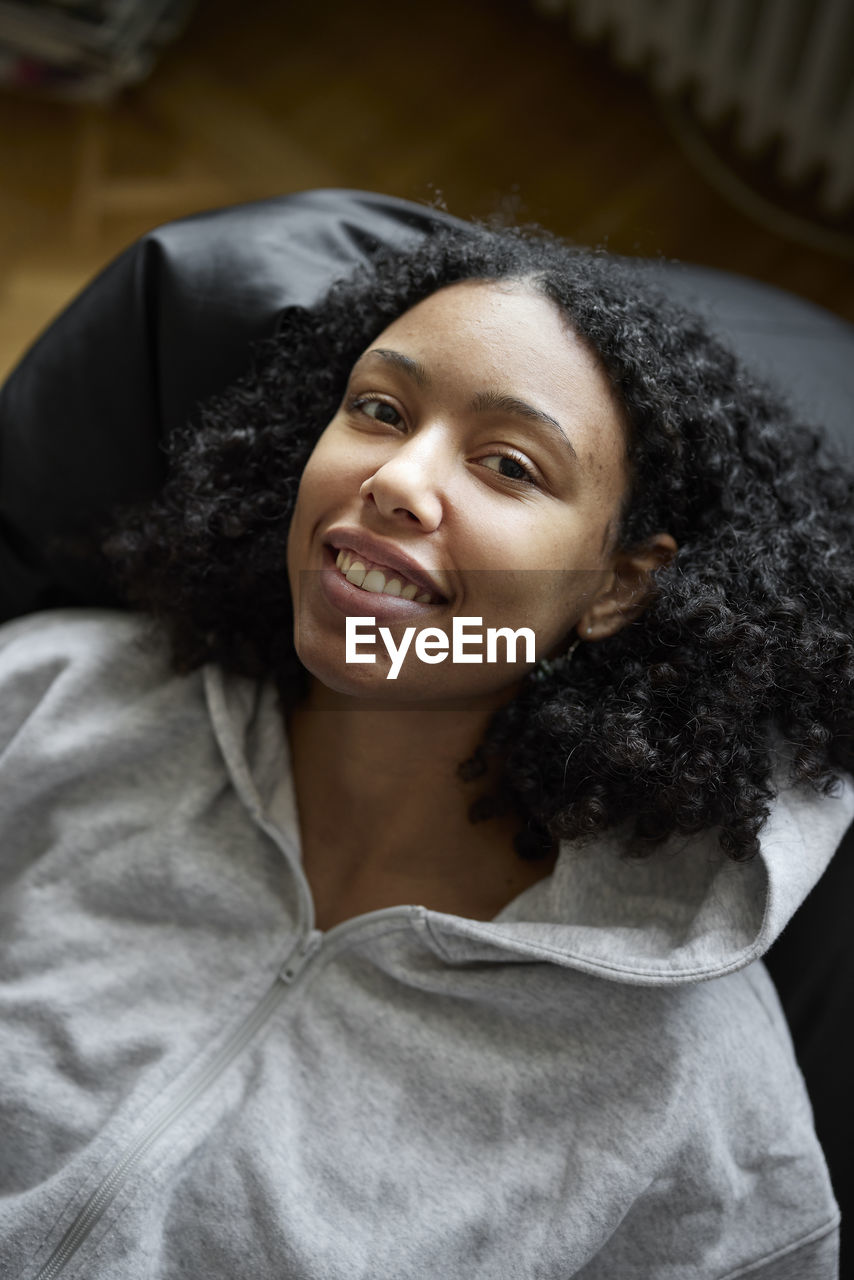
{"x":784,"y":67}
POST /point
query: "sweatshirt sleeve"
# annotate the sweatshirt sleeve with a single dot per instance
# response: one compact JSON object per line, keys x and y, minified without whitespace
{"x":46,"y":656}
{"x":31,"y":659}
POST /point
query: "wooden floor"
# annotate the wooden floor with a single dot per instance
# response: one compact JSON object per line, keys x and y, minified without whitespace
{"x":483,"y":104}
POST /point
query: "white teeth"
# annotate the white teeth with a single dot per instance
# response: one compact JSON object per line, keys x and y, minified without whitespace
{"x":374,"y":580}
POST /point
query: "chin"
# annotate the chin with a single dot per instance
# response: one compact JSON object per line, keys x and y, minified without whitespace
{"x":325,"y":663}
{"x":368,"y":686}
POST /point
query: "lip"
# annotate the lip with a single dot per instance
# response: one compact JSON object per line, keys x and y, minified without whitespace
{"x":385,"y":553}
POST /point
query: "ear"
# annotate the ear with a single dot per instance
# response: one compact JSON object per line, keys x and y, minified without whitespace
{"x":625,"y":596}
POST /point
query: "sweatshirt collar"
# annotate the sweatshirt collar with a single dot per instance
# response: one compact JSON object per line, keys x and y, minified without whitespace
{"x":681,"y":914}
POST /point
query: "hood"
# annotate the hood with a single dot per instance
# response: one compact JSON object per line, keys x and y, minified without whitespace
{"x":683,"y":914}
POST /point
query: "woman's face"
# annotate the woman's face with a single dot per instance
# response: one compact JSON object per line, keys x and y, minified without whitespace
{"x":475,"y":469}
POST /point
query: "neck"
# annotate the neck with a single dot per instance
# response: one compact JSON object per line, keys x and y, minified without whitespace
{"x":384,"y":814}
{"x":388,"y":763}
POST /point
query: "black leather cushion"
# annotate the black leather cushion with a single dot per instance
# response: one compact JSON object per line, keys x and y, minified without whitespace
{"x":83,"y":417}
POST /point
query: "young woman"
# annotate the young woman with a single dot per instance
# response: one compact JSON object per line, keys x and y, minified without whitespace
{"x":321,"y":966}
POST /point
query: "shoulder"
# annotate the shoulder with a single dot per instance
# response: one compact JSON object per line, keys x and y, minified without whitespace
{"x":70,"y":630}
{"x":56,"y":639}
{"x":742,"y":1138}
{"x":81,"y":667}
{"x":713,"y":1163}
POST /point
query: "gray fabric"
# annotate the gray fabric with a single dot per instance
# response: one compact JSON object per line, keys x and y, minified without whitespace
{"x":196,"y":1083}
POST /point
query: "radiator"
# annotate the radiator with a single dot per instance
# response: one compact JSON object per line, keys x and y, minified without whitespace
{"x":783,"y":70}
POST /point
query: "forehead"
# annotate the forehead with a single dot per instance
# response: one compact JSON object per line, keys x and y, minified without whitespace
{"x":495,"y":317}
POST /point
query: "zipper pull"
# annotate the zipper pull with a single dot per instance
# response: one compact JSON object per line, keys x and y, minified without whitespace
{"x":300,"y":956}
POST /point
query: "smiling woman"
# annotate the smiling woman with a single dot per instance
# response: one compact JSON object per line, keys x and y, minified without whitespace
{"x":447,"y":463}
{"x":694,"y":665}
{"x":456,"y":973}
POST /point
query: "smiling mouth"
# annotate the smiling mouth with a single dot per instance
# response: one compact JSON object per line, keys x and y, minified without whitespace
{"x":379,"y":579}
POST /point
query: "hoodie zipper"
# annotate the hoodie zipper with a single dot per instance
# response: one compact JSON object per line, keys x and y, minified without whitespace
{"x":104,"y":1195}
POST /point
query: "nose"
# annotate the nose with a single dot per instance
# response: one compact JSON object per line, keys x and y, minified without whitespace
{"x":411,"y":485}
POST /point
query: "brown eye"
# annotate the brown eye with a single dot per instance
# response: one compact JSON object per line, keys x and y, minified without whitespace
{"x":380,"y":411}
{"x":509,"y":467}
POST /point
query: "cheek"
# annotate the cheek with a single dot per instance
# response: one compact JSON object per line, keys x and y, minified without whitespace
{"x":318,"y":481}
{"x":553,"y":539}
{"x":336,"y":466}
{"x":544,"y":573}
{"x":329,"y":481}
{"x":304,"y":517}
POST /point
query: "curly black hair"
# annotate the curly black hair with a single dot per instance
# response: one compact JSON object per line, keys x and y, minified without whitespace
{"x":680,"y":721}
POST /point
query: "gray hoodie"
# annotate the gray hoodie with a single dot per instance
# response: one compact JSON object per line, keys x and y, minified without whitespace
{"x":195,"y":1082}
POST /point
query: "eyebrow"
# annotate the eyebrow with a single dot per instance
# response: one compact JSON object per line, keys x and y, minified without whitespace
{"x":484,"y":401}
{"x":414,"y":368}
